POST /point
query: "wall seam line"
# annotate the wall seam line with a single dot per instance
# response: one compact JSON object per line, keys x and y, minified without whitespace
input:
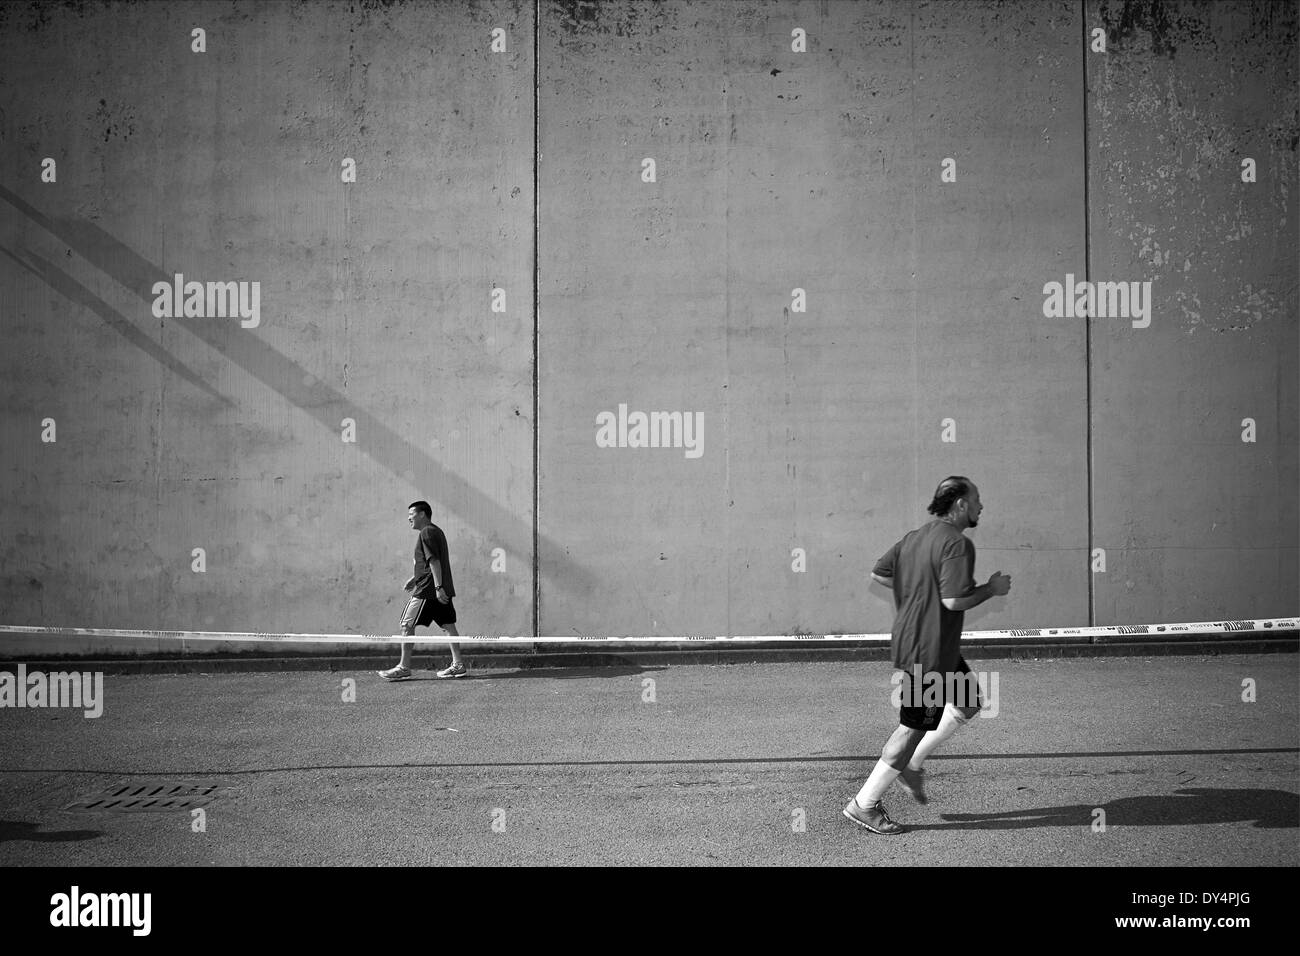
{"x":1087,"y":326}
{"x":537,"y":233}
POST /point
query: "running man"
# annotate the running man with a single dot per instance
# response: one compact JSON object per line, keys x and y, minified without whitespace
{"x":431,"y":593}
{"x":932,"y":574}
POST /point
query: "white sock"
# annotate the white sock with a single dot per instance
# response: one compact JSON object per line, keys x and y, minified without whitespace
{"x":949,"y":724}
{"x":882,"y":775}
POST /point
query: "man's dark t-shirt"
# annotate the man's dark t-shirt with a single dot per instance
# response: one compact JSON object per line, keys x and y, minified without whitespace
{"x":933,"y":562}
{"x":430,"y":545}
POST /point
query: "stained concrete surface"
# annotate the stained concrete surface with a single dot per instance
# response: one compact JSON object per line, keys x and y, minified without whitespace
{"x":1185,"y":94}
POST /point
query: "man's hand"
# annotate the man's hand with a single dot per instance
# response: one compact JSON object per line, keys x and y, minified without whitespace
{"x":441,"y":595}
{"x":410,"y":582}
{"x":998,"y":585}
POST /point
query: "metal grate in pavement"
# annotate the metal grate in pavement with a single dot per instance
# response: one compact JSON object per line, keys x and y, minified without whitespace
{"x":147,"y":797}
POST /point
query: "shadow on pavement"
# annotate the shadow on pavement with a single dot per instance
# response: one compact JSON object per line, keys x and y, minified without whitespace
{"x":1267,"y":809}
{"x":553,"y":673}
{"x":18,"y":830}
{"x":568,"y":673}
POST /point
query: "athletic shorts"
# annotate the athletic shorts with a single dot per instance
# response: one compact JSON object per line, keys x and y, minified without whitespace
{"x":421,"y":612}
{"x":927,"y":718}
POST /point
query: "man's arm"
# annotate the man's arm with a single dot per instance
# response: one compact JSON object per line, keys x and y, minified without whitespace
{"x":883,"y":572}
{"x":998,"y":584}
{"x":435,"y":568}
{"x":431,"y":557}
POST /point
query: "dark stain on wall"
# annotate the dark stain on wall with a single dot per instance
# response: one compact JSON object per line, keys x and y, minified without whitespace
{"x":114,"y":120}
{"x":1175,"y":24}
{"x":633,"y":21}
{"x":35,"y":16}
{"x":579,"y":16}
{"x":1153,"y":17}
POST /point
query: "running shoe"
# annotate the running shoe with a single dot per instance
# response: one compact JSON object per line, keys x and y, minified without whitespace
{"x":872,"y":818}
{"x":395,"y":673}
{"x":913,"y":782}
{"x":455,"y":670}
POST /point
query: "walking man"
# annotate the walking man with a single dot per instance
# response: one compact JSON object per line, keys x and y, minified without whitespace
{"x":932,"y":574}
{"x":431,"y":593}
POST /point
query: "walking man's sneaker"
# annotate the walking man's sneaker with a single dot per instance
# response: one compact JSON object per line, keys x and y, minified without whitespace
{"x":913,"y":782}
{"x":872,"y":818}
{"x":455,"y":670}
{"x":395,"y":673}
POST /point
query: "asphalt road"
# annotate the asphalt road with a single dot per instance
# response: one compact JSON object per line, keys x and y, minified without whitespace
{"x":725,"y":764}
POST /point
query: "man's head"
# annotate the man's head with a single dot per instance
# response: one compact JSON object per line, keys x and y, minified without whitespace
{"x":957,"y":501}
{"x":419,"y":515}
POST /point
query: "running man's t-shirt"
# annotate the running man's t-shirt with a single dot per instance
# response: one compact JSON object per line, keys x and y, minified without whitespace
{"x":430,"y":545}
{"x":933,"y":562}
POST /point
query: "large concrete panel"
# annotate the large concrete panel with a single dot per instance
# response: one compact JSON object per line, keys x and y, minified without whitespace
{"x":1197,"y":523}
{"x":820,"y":170}
{"x":375,"y":306}
{"x":776,"y":171}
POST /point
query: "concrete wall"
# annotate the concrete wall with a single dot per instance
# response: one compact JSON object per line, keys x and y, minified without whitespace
{"x":174,"y":434}
{"x":775,"y":170}
{"x":819,"y":171}
{"x":1197,"y":523}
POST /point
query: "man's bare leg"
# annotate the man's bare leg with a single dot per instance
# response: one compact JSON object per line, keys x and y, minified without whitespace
{"x":402,"y":670}
{"x":865,"y":809}
{"x":893,"y":758}
{"x":457,"y":668}
{"x":455,"y":648}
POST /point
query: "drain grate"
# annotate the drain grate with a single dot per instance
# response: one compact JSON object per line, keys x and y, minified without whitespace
{"x":148,"y":797}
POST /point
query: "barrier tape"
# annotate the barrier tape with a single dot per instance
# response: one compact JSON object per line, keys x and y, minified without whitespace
{"x":1013,"y":634}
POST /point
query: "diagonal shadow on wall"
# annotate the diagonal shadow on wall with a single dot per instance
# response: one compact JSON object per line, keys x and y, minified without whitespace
{"x":290,"y":380}
{"x":74,"y":291}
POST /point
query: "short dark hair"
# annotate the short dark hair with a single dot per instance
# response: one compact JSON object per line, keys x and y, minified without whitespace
{"x":421,"y":506}
{"x":949,"y":490}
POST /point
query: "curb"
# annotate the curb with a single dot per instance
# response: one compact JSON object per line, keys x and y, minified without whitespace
{"x":569,"y":656}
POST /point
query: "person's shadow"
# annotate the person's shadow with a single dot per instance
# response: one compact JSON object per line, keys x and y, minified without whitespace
{"x":1267,"y":809}
{"x":571,"y":673}
{"x":481,"y":674}
{"x":20,"y":830}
